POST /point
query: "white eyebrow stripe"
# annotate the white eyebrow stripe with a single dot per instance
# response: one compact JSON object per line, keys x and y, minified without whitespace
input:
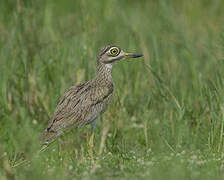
{"x":114,"y":47}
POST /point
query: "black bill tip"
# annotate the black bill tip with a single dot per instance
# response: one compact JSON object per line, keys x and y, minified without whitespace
{"x":132,"y":55}
{"x":137,"y":55}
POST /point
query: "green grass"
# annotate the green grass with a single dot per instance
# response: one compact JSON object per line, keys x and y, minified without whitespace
{"x":166,"y":119}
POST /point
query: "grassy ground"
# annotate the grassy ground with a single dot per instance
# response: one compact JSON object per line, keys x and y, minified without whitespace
{"x":166,"y":120}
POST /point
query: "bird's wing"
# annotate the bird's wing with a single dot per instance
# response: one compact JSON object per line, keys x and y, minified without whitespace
{"x":79,"y":106}
{"x":68,"y":102}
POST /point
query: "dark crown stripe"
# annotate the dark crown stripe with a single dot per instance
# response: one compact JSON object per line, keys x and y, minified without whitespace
{"x":105,"y":49}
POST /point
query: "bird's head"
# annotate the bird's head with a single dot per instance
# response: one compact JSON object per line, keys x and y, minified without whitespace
{"x":111,"y":54}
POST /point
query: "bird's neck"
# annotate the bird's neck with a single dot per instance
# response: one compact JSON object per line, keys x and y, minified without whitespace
{"x":104,"y":75}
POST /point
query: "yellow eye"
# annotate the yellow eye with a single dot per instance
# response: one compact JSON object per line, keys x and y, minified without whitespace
{"x":114,"y":51}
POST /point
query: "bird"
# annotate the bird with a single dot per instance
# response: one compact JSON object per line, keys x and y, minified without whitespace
{"x":84,"y":103}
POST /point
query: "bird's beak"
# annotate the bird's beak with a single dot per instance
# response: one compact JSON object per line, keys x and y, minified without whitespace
{"x":131,"y":55}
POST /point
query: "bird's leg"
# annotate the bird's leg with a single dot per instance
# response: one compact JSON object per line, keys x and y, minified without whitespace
{"x":91,"y":144}
{"x":91,"y":140}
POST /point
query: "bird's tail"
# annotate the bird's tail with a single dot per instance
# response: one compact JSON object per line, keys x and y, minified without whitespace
{"x":48,"y":136}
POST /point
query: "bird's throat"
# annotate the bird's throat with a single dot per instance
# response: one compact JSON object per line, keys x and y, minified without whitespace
{"x":109,"y":66}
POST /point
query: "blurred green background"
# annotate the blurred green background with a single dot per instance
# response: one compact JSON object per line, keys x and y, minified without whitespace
{"x":166,"y":119}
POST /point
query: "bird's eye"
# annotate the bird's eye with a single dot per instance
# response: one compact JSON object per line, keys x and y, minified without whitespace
{"x":114,"y":51}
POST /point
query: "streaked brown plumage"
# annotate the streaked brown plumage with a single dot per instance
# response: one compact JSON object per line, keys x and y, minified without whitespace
{"x":84,"y":103}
